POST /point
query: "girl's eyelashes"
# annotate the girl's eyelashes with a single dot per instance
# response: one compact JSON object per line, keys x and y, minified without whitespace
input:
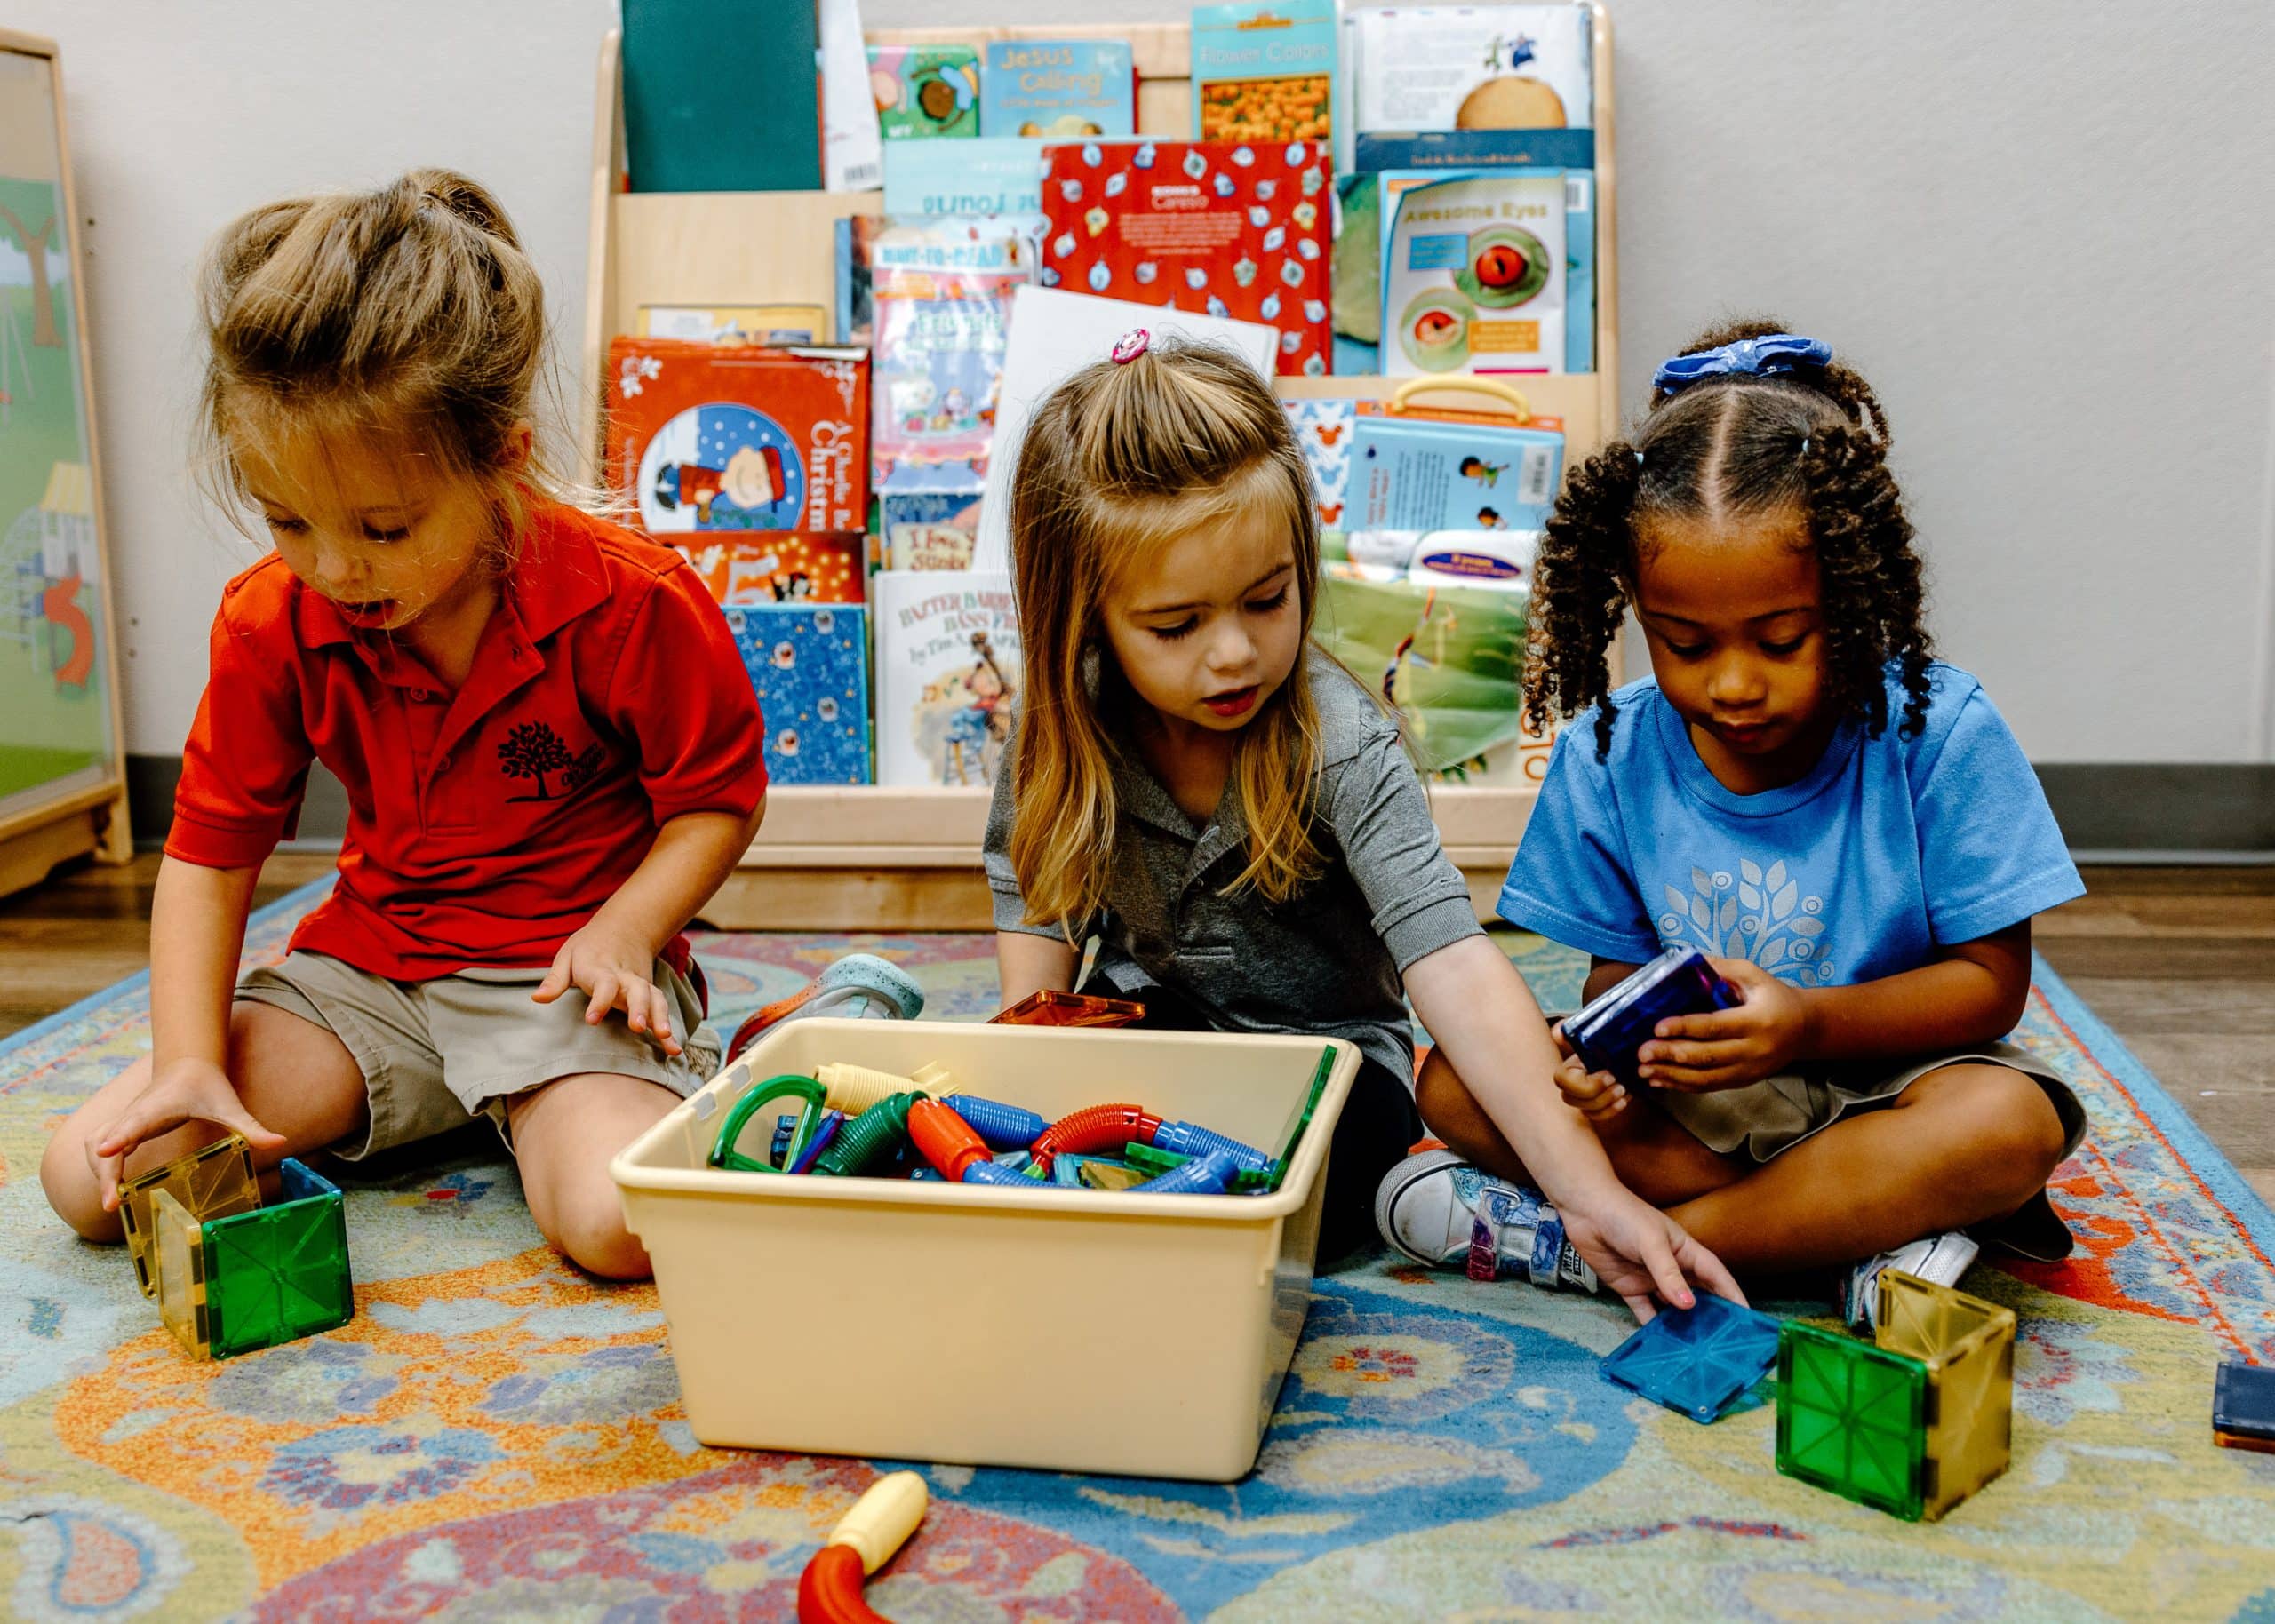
{"x":1685,"y":651}
{"x":1182,"y":628}
{"x":284,"y":527}
{"x":1264,"y":606}
{"x":373,"y":533}
{"x":1791,"y":645}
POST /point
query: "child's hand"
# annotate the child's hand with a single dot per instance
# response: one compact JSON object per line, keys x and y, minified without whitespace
{"x":1598,"y":1097}
{"x":186,"y":1091}
{"x":1729,"y":1049}
{"x":1641,"y":1253}
{"x":613,"y":970}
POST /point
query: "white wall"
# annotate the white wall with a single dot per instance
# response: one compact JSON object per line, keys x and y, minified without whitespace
{"x":2038,"y":226}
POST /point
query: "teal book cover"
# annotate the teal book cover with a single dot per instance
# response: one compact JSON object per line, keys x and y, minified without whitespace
{"x":1065,"y":89}
{"x":721,"y":96}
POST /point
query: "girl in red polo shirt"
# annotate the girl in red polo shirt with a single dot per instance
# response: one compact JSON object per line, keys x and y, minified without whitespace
{"x":550,"y":747}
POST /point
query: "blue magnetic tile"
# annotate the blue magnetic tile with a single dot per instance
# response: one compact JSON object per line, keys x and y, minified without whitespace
{"x":1698,"y":1360}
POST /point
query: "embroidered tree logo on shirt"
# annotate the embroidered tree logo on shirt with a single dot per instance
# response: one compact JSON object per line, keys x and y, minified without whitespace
{"x":1749,"y":915}
{"x":532,"y":751}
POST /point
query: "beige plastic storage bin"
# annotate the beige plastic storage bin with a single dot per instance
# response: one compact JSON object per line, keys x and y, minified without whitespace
{"x":1066,"y":1329}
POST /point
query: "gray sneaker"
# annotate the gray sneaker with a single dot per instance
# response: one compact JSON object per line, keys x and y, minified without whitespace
{"x":1940,"y":1260}
{"x":1444,"y":1212}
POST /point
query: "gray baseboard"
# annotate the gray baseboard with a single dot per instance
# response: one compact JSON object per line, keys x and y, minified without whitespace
{"x":2116,"y":812}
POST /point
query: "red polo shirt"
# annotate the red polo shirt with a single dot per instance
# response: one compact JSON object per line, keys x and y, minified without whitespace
{"x":486,"y":825}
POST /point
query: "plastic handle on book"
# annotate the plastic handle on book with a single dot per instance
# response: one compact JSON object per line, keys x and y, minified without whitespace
{"x":1402,"y":397}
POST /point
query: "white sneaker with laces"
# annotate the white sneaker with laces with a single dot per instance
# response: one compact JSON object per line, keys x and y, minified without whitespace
{"x":1440,"y":1210}
{"x":1940,"y":1260}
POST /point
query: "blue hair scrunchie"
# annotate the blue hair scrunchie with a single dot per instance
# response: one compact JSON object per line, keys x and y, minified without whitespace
{"x":1763,"y":357}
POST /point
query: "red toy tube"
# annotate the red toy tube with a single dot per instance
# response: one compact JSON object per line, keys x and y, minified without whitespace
{"x":1092,"y":1129}
{"x":829,"y":1591}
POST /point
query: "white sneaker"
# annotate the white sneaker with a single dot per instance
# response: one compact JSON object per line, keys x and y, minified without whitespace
{"x":1440,"y":1210}
{"x":1940,"y":1260}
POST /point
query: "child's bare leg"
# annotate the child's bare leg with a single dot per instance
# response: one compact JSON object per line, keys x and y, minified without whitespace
{"x":295,"y":1076}
{"x":1961,"y":1145}
{"x":565,"y":1132}
{"x":1655,"y":1156}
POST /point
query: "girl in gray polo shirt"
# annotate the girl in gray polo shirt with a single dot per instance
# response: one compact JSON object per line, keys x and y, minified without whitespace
{"x":1195,"y":786}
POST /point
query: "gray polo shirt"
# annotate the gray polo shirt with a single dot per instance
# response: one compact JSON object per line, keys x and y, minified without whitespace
{"x":1326,"y":961}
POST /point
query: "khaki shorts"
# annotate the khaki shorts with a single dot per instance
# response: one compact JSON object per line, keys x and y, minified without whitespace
{"x":437,"y":1053}
{"x":1774,"y":1115}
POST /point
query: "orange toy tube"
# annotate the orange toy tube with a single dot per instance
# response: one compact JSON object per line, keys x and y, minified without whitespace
{"x":944,"y":1139}
{"x":1093,"y":1128}
{"x":829,"y":1591}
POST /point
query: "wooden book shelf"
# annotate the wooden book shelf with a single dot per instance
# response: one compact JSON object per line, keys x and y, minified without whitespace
{"x":866,"y":858}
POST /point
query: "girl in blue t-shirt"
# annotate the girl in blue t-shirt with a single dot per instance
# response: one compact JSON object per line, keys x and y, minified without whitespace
{"x":1843,"y":825}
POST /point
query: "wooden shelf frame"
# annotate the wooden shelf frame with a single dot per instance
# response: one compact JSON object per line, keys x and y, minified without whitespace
{"x":867,"y":857}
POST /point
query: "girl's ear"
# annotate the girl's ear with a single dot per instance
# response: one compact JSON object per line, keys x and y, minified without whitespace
{"x":520,"y":443}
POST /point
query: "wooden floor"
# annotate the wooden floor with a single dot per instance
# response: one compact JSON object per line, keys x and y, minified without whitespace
{"x":2180,"y":961}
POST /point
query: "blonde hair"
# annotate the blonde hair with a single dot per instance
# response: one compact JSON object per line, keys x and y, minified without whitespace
{"x":408,"y":312}
{"x":1119,"y":461}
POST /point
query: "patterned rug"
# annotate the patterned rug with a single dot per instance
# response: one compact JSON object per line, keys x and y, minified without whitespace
{"x":494,"y":1437}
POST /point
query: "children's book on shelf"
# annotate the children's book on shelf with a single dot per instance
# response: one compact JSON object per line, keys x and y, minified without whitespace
{"x":1233,"y":229}
{"x":777,"y":567}
{"x":985,"y":176}
{"x":1263,"y":71}
{"x":1474,"y":272}
{"x":1569,"y":155}
{"x":1471,"y":66}
{"x":932,"y":298}
{"x":1435,"y":468}
{"x":852,"y":150}
{"x":948,"y":650}
{"x":810,"y":666}
{"x":711,"y":438}
{"x":925,"y":92}
{"x":713,"y":103}
{"x":774,"y":326}
{"x":927,"y":529}
{"x":1047,"y":88}
{"x":1323,"y":430}
{"x":1055,"y":333}
{"x":1448,"y":659}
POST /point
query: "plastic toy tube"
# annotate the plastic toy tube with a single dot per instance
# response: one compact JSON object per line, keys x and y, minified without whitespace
{"x":829,"y":1591}
{"x":947,"y":1142}
{"x":1188,"y":1139}
{"x":1004,"y":1128}
{"x":1092,"y":1129}
{"x":833,"y":1123}
{"x":868,"y":1141}
{"x":756,"y":1098}
{"x":1204,"y":1175}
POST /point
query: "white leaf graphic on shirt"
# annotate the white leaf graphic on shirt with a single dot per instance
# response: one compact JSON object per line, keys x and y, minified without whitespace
{"x":1750,"y":913}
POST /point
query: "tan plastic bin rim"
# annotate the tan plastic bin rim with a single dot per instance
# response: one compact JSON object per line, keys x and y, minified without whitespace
{"x":1293,"y":1191}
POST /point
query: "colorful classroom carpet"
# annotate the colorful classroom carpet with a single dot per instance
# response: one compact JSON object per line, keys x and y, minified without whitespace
{"x":494,"y":1437}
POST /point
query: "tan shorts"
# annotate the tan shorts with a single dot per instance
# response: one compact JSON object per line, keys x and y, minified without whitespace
{"x":1763,"y":1118}
{"x":437,"y":1053}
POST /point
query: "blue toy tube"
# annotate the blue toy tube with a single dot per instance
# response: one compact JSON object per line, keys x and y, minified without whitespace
{"x":995,"y":1173}
{"x":1209,"y":1175}
{"x":1188,"y":1139}
{"x":1002,"y":1127}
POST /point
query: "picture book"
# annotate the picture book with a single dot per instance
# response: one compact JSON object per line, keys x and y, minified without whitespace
{"x":927,"y":529}
{"x":1472,"y":67}
{"x":777,"y":567}
{"x":1055,"y":332}
{"x":1235,"y":230}
{"x":925,"y":90}
{"x":705,"y":438}
{"x":1474,"y":272}
{"x":692,"y":123}
{"x":947,"y":663}
{"x":774,"y":326}
{"x":983,"y":176}
{"x":1057,"y":89}
{"x":809,"y":663}
{"x":1579,"y":207}
{"x":1323,"y":430}
{"x":1537,"y":149}
{"x":1263,"y":71}
{"x":1452,"y":470}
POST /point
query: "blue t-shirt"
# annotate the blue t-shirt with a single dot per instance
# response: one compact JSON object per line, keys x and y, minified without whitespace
{"x":1888,"y":849}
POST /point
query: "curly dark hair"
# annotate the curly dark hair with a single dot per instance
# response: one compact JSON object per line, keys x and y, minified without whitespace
{"x":1815,"y":440}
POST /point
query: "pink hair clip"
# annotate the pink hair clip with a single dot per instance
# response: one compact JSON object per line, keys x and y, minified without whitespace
{"x":1132,"y":344}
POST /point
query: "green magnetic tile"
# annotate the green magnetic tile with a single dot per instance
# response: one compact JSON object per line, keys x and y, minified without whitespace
{"x":1852,"y":1419}
{"x":280,"y":1272}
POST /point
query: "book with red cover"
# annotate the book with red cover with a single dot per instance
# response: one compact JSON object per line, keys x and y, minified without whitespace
{"x":784,"y":567}
{"x":707,"y":439}
{"x":1226,"y":228}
